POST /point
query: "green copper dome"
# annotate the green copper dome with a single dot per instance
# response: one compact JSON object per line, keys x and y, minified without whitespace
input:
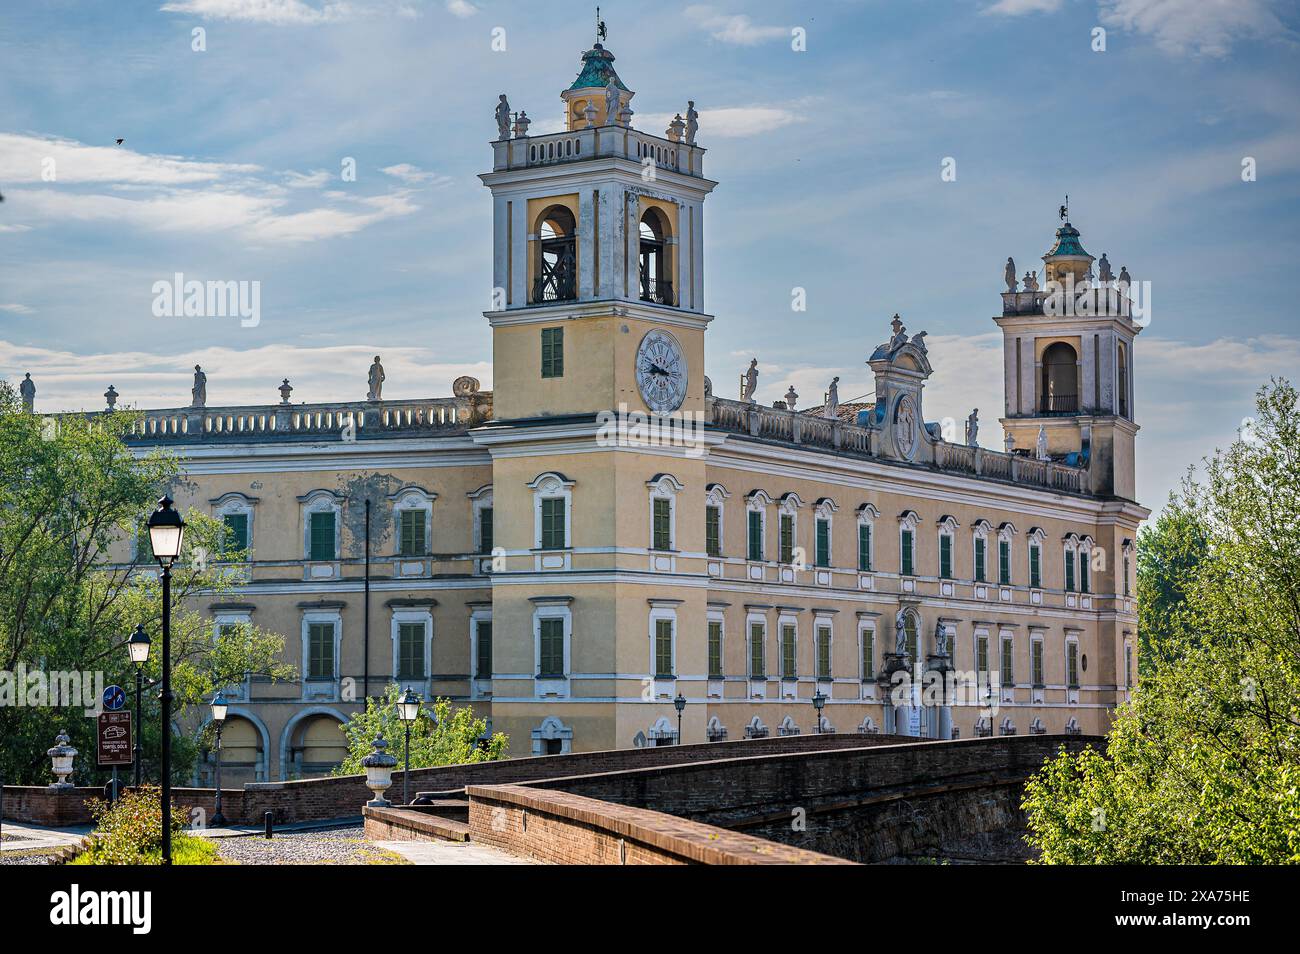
{"x":1067,"y":243}
{"x":597,"y":68}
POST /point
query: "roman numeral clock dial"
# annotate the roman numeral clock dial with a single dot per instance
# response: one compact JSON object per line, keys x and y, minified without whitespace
{"x":661,"y":372}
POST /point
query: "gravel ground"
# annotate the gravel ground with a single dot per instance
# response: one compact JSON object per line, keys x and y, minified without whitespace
{"x":325,"y":846}
{"x":34,"y":856}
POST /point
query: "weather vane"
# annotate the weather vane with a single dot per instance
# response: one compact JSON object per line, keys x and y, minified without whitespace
{"x":601,"y":32}
{"x":1065,"y":209}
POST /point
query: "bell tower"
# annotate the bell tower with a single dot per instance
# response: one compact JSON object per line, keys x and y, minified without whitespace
{"x":1068,"y":360}
{"x":598,"y":238}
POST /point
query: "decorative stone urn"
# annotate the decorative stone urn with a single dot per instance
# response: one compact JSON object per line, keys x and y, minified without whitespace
{"x":379,"y":767}
{"x":61,"y":757}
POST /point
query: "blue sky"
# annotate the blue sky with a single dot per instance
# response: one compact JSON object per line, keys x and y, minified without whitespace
{"x":828,"y":162}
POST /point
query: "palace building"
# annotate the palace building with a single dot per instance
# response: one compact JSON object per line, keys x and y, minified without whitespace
{"x":604,"y":532}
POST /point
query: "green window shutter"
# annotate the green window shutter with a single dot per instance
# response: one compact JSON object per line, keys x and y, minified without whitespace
{"x":979,"y":559}
{"x":1072,"y":664}
{"x":756,"y":637}
{"x":1035,"y":567}
{"x":713,"y":531}
{"x":322,"y":536}
{"x":553,"y":523}
{"x":1037,"y":666}
{"x":411,"y":533}
{"x":789,"y":669}
{"x":485,"y":529}
{"x":236,"y":525}
{"x":909,"y":635}
{"x":905,"y":567}
{"x":320,"y":651}
{"x":664,"y":648}
{"x":662,"y":536}
{"x":552,"y":352}
{"x":823,"y":542}
{"x":787,"y":539}
{"x":823,"y":653}
{"x":552,"y":647}
{"x":982,"y":654}
{"x":410,"y":651}
{"x":1069,"y":572}
{"x":1083,"y":572}
{"x":1004,"y":562}
{"x":715,"y":649}
{"x":945,"y":556}
{"x":755,"y":535}
{"x":864,"y":547}
{"x":868,"y":655}
{"x":483,"y":667}
{"x":1008,"y":671}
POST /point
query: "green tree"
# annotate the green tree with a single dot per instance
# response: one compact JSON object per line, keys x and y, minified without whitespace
{"x":1168,"y":552}
{"x":442,"y":735}
{"x":71,"y":489}
{"x":1204,"y":767}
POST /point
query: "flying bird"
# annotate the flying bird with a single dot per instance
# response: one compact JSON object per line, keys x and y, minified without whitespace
{"x":119,"y":141}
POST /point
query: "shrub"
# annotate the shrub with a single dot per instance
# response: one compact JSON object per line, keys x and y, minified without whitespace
{"x":129,"y":832}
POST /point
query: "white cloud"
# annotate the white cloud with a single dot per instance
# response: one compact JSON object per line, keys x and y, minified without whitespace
{"x":1015,"y":8}
{"x":414,"y":175}
{"x":310,"y":180}
{"x":34,"y":158}
{"x":728,"y":122}
{"x":15,"y":228}
{"x":1205,"y":27}
{"x":18,"y":309}
{"x":277,"y":12}
{"x":736,"y":28}
{"x":461,"y":8}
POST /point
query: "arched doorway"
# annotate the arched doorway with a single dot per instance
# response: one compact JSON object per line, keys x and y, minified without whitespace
{"x":316,"y":745}
{"x":1059,"y":389}
{"x":655,"y":268}
{"x":555,"y":265}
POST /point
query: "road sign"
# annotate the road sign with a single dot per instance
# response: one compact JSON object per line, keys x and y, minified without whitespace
{"x":114,"y":738}
{"x":114,"y":698}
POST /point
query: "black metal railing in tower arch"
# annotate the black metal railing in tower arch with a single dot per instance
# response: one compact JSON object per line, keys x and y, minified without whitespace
{"x":1059,"y":404}
{"x":657,"y":290}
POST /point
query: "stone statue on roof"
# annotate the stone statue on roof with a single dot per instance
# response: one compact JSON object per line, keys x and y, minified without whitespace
{"x":749,"y":382}
{"x":973,"y":428}
{"x":1010,"y":274}
{"x":27,"y":389}
{"x":900,"y":334}
{"x":831,"y":410}
{"x":199,"y":393}
{"x":1040,"y":445}
{"x":503,"y":117}
{"x":692,"y":121}
{"x":376,"y":380}
{"x":1103,"y":270}
{"x":612,"y":97}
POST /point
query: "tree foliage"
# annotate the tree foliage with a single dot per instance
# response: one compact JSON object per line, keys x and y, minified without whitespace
{"x":442,"y":735}
{"x":1204,"y":766}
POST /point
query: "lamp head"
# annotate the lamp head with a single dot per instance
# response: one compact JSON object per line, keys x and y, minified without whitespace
{"x":138,"y":646}
{"x":166,"y":532}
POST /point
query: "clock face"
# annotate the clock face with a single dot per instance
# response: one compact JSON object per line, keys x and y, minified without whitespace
{"x":661,"y":372}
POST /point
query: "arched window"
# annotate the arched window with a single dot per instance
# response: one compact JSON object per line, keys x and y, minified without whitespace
{"x":1059,"y":393}
{"x":656,"y":272}
{"x":1122,"y":384}
{"x":556,"y":264}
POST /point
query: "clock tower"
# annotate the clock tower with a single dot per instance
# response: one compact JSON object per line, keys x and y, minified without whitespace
{"x":597,"y":313}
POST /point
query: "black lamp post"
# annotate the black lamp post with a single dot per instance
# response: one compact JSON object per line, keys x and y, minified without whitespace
{"x":819,"y":701}
{"x":138,"y":647}
{"x":219,"y":708}
{"x":680,"y":705}
{"x":408,"y":710}
{"x":166,"y":533}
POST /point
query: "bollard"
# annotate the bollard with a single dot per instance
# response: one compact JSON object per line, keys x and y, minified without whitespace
{"x":268,"y":821}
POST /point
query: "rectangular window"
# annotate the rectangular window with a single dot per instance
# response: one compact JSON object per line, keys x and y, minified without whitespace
{"x":756,"y":536}
{"x":483,"y":650}
{"x":1127,"y":570}
{"x":320,"y":651}
{"x":756,"y":663}
{"x":1035,"y":568}
{"x":551,"y":647}
{"x":322,"y":536}
{"x":1072,"y":665}
{"x":553,"y":523}
{"x":787,"y":539}
{"x":485,"y":530}
{"x":982,"y":654}
{"x":236,"y":525}
{"x":1004,"y":562}
{"x":945,"y":557}
{"x":663,"y":648}
{"x":864,"y":547}
{"x":411,"y":533}
{"x":789,"y":669}
{"x":1083,"y":571}
{"x":980,"y":545}
{"x":868,"y":655}
{"x":410,"y":651}
{"x":663,"y":524}
{"x":1128,"y":667}
{"x":823,"y":542}
{"x":552,"y":352}
{"x":1008,"y":671}
{"x":713,"y":531}
{"x":1069,"y":572}
{"x":908,"y":553}
{"x":823,"y":653}
{"x":715,"y":649}
{"x":1036,"y":661}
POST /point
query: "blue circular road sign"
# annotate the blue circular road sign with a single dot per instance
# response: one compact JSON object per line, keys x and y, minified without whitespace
{"x":114,"y":698}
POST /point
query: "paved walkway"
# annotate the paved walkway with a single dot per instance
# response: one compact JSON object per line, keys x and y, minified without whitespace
{"x":23,"y":837}
{"x":451,"y":853}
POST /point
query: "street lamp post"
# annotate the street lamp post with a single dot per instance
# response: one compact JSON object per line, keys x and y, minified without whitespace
{"x":408,"y":710}
{"x":138,"y":647}
{"x":680,"y":705}
{"x":219,"y":708}
{"x":819,"y":701}
{"x":166,"y":533}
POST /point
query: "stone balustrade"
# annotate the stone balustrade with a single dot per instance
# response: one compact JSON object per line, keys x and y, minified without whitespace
{"x":777,"y":424}
{"x":523,"y":152}
{"x":1086,"y":300}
